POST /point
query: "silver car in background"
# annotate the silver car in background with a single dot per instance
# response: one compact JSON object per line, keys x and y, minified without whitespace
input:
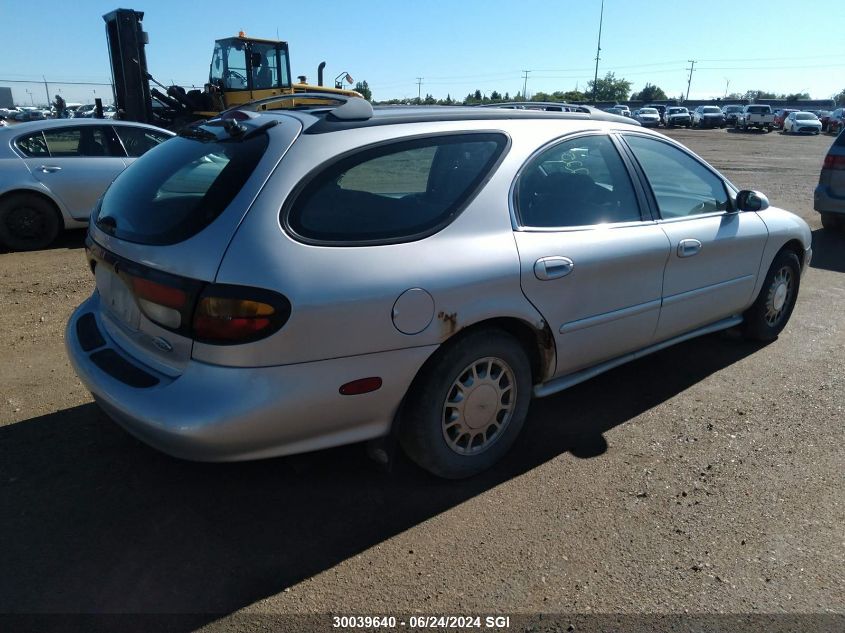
{"x":648,"y":117}
{"x":280,"y":281}
{"x":52,"y":173}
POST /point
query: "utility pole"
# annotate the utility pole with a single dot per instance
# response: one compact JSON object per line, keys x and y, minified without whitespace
{"x":598,"y":54}
{"x":46,"y":89}
{"x":690,"y":69}
{"x":419,"y":89}
{"x":525,"y":84}
{"x":727,"y":85}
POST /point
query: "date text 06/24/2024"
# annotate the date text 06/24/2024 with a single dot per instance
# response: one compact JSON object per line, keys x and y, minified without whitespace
{"x":421,"y":622}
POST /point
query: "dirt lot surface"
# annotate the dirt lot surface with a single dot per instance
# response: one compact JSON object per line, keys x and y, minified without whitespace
{"x":704,"y":479}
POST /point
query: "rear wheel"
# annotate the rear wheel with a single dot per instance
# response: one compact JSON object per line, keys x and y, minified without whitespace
{"x":28,"y":222}
{"x":767,"y":317}
{"x":468,"y":406}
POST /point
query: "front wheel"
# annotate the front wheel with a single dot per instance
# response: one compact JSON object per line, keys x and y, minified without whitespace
{"x":768,"y":315}
{"x":468,"y":405}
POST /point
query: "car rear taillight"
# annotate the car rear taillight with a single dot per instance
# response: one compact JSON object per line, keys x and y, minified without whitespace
{"x":160,"y":303}
{"x":238,"y":314}
{"x":834,"y":162}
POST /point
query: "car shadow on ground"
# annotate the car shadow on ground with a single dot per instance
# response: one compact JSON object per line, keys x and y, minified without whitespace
{"x":829,"y":250}
{"x":94,"y":521}
{"x":74,"y":238}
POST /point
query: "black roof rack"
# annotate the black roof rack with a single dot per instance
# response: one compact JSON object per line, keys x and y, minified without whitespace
{"x":547,"y":106}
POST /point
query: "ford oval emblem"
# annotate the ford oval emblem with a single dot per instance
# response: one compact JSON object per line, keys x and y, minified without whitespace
{"x":162,"y":344}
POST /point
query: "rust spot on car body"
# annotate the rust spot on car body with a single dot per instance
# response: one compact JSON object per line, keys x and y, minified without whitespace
{"x":450,"y":319}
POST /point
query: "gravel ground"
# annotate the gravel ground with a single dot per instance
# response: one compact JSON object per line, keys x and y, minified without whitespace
{"x":705,"y":479}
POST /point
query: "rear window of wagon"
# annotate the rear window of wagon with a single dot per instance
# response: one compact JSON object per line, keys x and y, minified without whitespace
{"x":177,"y":189}
{"x":395,"y":192}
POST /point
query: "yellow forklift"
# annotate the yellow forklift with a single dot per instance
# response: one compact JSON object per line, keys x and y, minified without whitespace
{"x":243,"y":69}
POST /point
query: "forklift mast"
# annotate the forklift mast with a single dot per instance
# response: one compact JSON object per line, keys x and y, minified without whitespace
{"x":126,"y":40}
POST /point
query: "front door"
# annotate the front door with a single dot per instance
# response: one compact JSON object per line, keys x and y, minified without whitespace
{"x":715,"y":252}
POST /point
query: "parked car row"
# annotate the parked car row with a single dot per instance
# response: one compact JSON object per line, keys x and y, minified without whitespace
{"x":752,"y":116}
{"x":26,"y":113}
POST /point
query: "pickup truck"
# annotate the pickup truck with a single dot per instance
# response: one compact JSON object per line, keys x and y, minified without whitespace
{"x":756,"y":116}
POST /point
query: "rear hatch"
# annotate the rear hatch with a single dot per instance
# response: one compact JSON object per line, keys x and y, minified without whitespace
{"x":160,"y":232}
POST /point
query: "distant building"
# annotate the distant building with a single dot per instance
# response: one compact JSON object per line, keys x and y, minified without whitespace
{"x":6,"y":100}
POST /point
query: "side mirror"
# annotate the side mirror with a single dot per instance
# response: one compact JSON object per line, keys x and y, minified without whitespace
{"x":748,"y":200}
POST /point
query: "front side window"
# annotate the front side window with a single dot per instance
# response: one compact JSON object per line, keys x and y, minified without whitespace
{"x":139,"y":140}
{"x":393,"y":193}
{"x":682,"y":186}
{"x":88,"y":140}
{"x":578,"y":182}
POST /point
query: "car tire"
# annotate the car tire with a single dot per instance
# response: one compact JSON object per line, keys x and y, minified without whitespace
{"x":28,"y":222}
{"x":831,"y":221}
{"x":487,"y":370}
{"x":770,"y":312}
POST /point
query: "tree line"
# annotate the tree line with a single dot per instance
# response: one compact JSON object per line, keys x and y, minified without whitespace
{"x":605,"y":89}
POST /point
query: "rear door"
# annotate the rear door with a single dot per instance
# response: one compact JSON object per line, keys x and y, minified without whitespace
{"x":81,"y":162}
{"x":590,"y":262}
{"x":715,"y":253}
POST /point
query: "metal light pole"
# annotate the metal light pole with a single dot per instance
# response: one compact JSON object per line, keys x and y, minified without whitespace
{"x":598,"y":54}
{"x":691,"y":68}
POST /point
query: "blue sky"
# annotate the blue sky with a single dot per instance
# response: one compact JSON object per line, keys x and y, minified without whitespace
{"x":455,"y":46}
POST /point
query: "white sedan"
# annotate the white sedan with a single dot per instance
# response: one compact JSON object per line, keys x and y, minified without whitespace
{"x":798,"y":122}
{"x":648,"y":117}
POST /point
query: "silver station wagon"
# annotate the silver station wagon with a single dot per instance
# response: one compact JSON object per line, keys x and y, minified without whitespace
{"x":279,"y":281}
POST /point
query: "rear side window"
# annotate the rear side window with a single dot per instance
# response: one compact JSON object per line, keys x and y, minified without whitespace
{"x":577,"y":182}
{"x":139,"y":140}
{"x":393,"y":193}
{"x":178,"y":188}
{"x":33,"y":145}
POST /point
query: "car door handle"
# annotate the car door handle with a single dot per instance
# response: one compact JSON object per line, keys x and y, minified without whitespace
{"x":688,"y":247}
{"x":49,"y":169}
{"x":547,"y":268}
